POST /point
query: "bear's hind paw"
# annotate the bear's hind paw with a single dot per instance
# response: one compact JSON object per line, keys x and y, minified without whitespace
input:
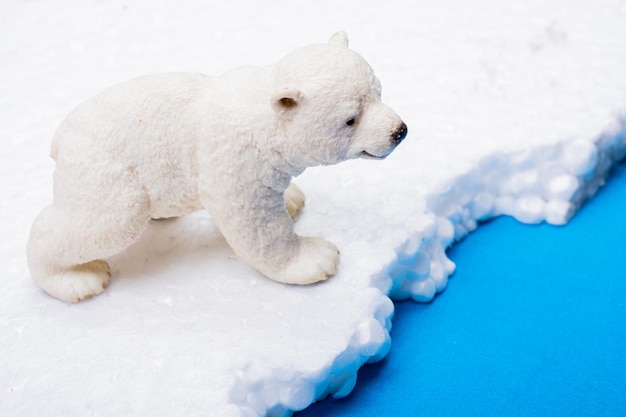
{"x":80,"y":282}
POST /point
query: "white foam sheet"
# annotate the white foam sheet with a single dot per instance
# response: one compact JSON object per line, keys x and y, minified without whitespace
{"x":512,"y":109}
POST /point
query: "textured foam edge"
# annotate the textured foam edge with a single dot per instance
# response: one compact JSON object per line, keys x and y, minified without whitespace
{"x":263,"y":391}
{"x":547,"y":183}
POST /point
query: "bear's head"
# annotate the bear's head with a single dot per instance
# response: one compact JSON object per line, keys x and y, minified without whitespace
{"x":327,"y":104}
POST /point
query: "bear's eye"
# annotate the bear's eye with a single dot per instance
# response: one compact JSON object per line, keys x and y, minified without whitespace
{"x":350,"y":122}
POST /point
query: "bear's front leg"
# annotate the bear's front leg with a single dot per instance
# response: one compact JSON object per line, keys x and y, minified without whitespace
{"x":261,"y":233}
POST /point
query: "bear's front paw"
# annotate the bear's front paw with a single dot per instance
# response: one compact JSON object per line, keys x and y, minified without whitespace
{"x":316,"y":260}
{"x":294,"y":200}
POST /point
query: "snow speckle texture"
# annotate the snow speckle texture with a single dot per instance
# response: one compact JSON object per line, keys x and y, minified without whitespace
{"x":513,"y":108}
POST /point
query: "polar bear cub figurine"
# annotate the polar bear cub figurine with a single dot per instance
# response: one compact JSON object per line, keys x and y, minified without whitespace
{"x":167,"y":145}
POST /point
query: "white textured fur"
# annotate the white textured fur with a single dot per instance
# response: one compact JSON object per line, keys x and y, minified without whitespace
{"x":167,"y":145}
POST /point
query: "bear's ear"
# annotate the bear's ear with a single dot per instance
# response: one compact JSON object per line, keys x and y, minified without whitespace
{"x":286,"y":101}
{"x":339,"y":38}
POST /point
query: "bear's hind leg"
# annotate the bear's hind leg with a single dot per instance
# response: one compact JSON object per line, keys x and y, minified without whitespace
{"x":66,"y":250}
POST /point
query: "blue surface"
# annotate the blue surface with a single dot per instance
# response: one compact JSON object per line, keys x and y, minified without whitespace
{"x":533,"y":323}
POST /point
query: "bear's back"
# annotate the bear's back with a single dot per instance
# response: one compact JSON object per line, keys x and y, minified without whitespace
{"x":140,"y":113}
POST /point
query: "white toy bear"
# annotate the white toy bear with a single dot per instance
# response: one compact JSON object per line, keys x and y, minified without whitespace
{"x":168,"y":145}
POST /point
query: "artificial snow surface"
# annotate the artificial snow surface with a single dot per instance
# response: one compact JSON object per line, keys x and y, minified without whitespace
{"x":512,"y":109}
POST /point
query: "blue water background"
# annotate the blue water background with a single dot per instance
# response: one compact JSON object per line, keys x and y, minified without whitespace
{"x":533,"y":323}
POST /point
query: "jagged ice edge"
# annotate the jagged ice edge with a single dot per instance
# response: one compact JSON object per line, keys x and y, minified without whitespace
{"x":547,"y":183}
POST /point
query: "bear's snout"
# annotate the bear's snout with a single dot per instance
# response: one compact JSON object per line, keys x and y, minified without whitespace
{"x":399,"y":135}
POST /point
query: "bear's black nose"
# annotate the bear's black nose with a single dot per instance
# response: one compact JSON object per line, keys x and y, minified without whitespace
{"x":399,"y":135}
